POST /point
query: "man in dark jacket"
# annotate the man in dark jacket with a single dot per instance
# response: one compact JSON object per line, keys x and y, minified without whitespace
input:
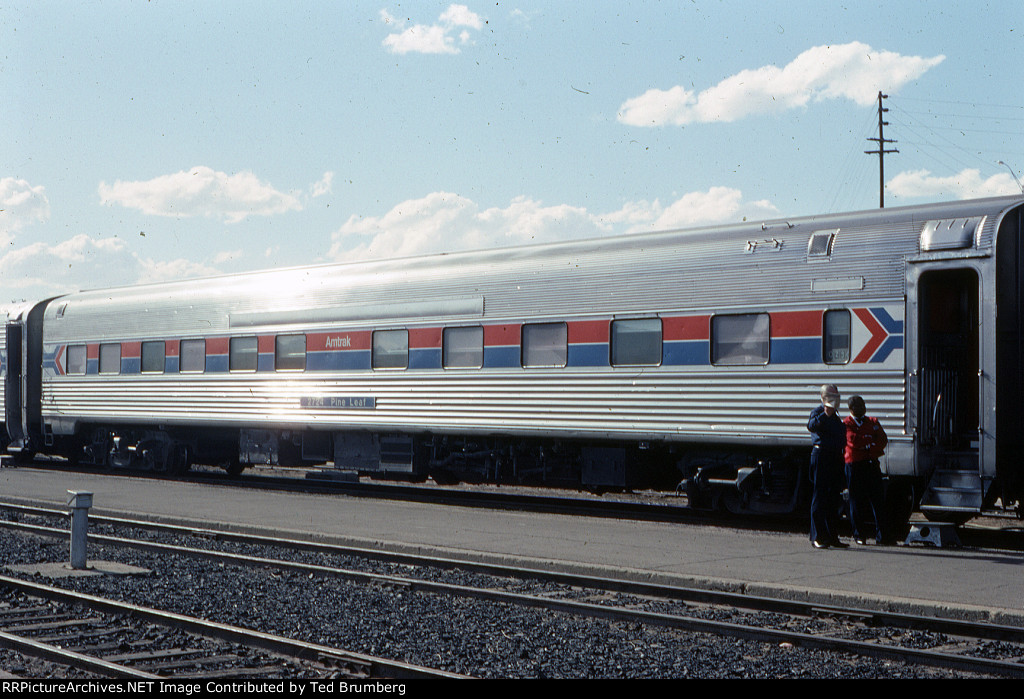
{"x":827,"y":444}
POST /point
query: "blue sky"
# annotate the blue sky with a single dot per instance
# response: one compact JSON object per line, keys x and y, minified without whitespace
{"x":160,"y":140}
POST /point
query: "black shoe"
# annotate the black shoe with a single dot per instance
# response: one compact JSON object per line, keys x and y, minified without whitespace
{"x":837,"y":544}
{"x":819,"y":545}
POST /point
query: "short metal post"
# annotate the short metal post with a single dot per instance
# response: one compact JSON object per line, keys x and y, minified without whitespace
{"x":80,"y":503}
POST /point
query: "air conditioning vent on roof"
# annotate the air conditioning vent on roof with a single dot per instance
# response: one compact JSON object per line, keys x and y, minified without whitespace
{"x":949,"y":234}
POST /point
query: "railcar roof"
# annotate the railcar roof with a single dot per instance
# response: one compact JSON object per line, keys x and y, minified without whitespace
{"x":446,"y":263}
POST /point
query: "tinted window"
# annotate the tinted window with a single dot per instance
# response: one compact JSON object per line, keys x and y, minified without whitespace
{"x":152,"y":357}
{"x":545,"y":345}
{"x":110,"y":359}
{"x":463,"y":348}
{"x":636,"y":342}
{"x":76,"y":359}
{"x":193,"y":356}
{"x":739,"y":339}
{"x":290,"y":353}
{"x":390,"y":349}
{"x":243,"y":354}
{"x":835,"y":340}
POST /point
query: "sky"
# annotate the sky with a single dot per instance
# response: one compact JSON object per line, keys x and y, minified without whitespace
{"x":160,"y":140}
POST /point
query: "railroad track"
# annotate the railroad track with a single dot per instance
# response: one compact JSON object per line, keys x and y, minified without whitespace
{"x":117,"y":639}
{"x":959,"y":645}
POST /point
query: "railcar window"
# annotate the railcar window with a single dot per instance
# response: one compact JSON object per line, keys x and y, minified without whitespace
{"x":76,"y":359}
{"x":243,"y":354}
{"x":110,"y":358}
{"x":739,"y":339}
{"x":290,"y":353}
{"x":636,"y":342}
{"x":153,"y":357}
{"x":545,"y":345}
{"x":835,"y":340}
{"x":193,"y":356}
{"x":390,"y":349}
{"x":463,"y":348}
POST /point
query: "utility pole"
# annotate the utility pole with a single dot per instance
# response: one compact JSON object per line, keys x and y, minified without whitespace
{"x":881,"y":140}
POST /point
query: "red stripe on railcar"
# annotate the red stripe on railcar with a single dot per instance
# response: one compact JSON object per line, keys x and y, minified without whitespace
{"x":686,"y":328}
{"x":501,"y":335}
{"x":796,"y":323}
{"x":425,"y":338}
{"x":583,"y":331}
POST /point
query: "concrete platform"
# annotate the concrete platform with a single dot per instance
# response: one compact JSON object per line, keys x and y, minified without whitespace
{"x":64,"y":570}
{"x":956,"y":582}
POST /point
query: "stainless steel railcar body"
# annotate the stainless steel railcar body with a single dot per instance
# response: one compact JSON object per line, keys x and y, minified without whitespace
{"x":703,"y":344}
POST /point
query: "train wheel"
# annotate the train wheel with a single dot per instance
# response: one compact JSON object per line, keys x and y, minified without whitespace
{"x":180,"y":459}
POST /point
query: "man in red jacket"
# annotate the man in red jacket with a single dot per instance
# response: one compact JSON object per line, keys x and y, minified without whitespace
{"x":865,"y":444}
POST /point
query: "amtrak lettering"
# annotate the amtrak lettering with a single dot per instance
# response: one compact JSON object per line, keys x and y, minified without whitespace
{"x":338,"y":342}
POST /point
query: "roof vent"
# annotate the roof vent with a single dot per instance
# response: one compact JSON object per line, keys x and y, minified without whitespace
{"x":820,"y":244}
{"x":949,"y":234}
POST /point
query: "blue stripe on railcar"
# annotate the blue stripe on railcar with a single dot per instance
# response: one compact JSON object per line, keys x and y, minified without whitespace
{"x":505,"y":357}
{"x":265,"y":362}
{"x":589,"y":354}
{"x":348,"y":360}
{"x":686,"y":353}
{"x":795,"y":350}
{"x":425,"y":358}
{"x":217,"y":364}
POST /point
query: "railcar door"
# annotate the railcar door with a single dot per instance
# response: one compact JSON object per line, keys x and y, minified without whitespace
{"x":13,"y":385}
{"x":946,"y":387}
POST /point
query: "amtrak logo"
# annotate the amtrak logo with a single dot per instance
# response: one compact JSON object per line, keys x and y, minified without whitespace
{"x":53,"y":360}
{"x":885,"y":335}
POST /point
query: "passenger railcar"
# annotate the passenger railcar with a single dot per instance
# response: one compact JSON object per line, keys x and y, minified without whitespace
{"x":684,"y":357}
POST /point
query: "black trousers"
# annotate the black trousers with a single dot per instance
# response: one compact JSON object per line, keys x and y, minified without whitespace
{"x":827,"y":478}
{"x":865,"y":483}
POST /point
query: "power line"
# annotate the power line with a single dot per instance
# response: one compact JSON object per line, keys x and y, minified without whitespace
{"x":942,"y":146}
{"x":970,"y":104}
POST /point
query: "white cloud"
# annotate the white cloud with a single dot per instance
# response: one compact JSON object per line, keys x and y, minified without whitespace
{"x":227,"y":256}
{"x":323,"y":186}
{"x":461,"y":16}
{"x":21,"y":204}
{"x":201,"y":191}
{"x":433,"y":38}
{"x":852,"y":71}
{"x":40,"y":270}
{"x":444,"y":222}
{"x":149,"y":270}
{"x":717,"y":205}
{"x":966,"y":184}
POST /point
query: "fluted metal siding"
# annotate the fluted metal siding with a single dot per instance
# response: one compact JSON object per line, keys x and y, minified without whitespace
{"x":700,"y":405}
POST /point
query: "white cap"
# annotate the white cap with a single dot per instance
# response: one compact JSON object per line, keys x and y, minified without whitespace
{"x":830,"y":396}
